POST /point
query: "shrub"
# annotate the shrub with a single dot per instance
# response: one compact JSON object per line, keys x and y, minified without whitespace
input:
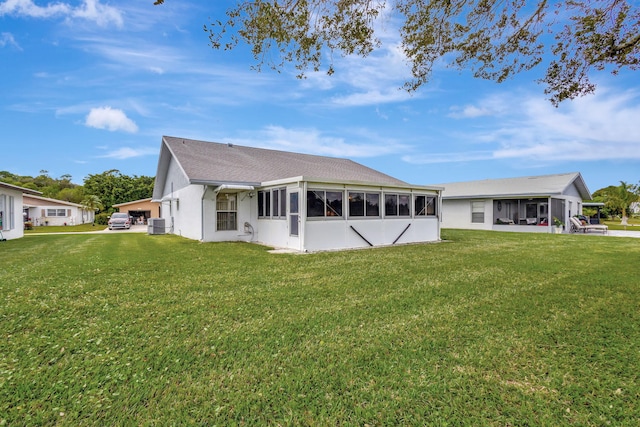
{"x":102,"y":218}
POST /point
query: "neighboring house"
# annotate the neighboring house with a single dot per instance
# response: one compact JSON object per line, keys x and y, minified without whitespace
{"x":11,"y":212}
{"x":45,"y":211}
{"x":140,"y":210}
{"x":223,"y":192}
{"x":514,"y":204}
{"x":634,"y":208}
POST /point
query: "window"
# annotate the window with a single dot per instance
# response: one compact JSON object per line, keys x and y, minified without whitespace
{"x":226,"y":215}
{"x":477,"y":212}
{"x":264,"y":203}
{"x":425,"y":206}
{"x":260,"y":203}
{"x":279,"y":202}
{"x":321,"y":203}
{"x":283,"y":202}
{"x":364,"y":204}
{"x":397,"y":205}
{"x":56,"y":212}
{"x":276,"y":205}
{"x":7,"y":212}
{"x":272,"y":203}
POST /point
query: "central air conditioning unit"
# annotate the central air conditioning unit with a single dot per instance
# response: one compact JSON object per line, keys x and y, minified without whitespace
{"x":155,"y":226}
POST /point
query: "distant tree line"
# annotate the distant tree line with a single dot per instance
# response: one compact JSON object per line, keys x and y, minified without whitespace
{"x":99,"y":192}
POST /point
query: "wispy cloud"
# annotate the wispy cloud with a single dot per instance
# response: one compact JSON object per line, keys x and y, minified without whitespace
{"x":313,"y":141}
{"x":6,"y":39}
{"x":90,"y":10}
{"x":110,"y":119}
{"x":599,"y":127}
{"x":128,"y":152}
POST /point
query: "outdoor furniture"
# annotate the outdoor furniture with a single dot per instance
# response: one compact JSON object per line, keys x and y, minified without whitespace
{"x":576,"y":226}
{"x":505,"y":221}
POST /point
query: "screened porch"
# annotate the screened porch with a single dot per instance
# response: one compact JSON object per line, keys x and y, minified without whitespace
{"x":528,"y":212}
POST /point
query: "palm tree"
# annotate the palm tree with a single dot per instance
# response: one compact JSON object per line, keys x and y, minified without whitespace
{"x":626,"y":195}
{"x":91,"y":203}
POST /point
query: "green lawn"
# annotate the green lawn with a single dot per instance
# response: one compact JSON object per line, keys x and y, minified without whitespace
{"x":488,"y":329}
{"x":65,"y":228}
{"x":633,"y":224}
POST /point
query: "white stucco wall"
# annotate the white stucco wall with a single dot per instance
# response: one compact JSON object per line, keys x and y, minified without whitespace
{"x":12,"y":223}
{"x":181,"y":205}
{"x":457,"y":214}
{"x":338,"y":234}
{"x":74,"y":215}
{"x":246,"y":213}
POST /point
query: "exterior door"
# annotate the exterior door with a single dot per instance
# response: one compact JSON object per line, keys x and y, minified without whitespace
{"x":294,"y":213}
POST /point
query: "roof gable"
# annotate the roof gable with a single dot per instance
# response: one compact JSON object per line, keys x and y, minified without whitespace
{"x":542,"y":185}
{"x":209,"y":162}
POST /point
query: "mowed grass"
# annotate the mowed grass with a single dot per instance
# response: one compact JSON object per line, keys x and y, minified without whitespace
{"x":88,"y":227}
{"x":487,"y":329}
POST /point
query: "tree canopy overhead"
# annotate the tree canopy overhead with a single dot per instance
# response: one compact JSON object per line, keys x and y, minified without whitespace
{"x":493,"y":39}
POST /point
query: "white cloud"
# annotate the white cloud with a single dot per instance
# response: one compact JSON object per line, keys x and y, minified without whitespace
{"x":372,"y":97}
{"x":468,"y":156}
{"x":494,"y":105}
{"x":603,"y":126}
{"x":110,"y":119}
{"x":103,"y":15}
{"x":6,"y":39}
{"x":30,"y":9}
{"x":312,"y":141}
{"x":91,"y":10}
{"x":128,"y":152}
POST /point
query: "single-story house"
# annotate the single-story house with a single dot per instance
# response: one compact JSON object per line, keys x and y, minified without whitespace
{"x":514,"y":204}
{"x":224,"y":192}
{"x":11,"y":214}
{"x":45,"y":211}
{"x":140,"y":210}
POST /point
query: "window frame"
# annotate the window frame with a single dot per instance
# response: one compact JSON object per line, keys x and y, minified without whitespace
{"x":366,"y":214}
{"x":427,"y":212}
{"x":227,"y":214}
{"x":272,"y":203}
{"x":475,"y":211}
{"x":321,"y":194}
{"x":55,"y":212}
{"x":397,"y":204}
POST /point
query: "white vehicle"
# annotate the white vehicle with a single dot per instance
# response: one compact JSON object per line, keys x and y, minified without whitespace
{"x":119,"y":220}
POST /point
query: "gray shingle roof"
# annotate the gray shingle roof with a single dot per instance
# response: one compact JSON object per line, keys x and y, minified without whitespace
{"x":17,"y":188}
{"x":543,"y":185}
{"x":205,"y":162}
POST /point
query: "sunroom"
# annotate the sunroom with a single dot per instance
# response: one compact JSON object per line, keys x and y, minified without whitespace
{"x":314,"y":216}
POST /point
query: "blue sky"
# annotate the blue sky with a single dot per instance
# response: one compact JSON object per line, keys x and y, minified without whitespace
{"x":89,"y":86}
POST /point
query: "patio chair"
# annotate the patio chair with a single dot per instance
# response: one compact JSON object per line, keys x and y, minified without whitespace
{"x":577,"y":226}
{"x":505,"y":221}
